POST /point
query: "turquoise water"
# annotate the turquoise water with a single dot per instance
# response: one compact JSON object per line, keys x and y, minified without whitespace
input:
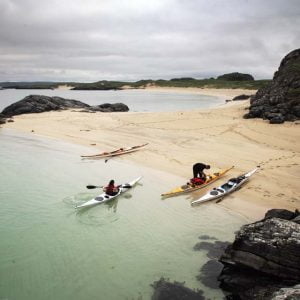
{"x":137,"y":100}
{"x":49,"y":250}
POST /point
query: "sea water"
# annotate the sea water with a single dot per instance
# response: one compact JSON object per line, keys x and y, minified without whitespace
{"x":50,"y":250}
{"x":136,"y":100}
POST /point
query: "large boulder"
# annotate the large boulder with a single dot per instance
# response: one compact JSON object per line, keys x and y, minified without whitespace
{"x":107,"y":107}
{"x":39,"y":103}
{"x":280,"y":100}
{"x":264,"y":257}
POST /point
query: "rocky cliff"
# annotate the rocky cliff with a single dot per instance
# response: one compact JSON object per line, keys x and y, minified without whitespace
{"x":280,"y":100}
{"x":264,"y":257}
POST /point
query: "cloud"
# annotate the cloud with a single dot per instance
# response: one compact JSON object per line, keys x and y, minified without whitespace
{"x":128,"y":40}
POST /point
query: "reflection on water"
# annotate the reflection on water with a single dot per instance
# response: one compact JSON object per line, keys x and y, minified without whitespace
{"x":114,"y":250}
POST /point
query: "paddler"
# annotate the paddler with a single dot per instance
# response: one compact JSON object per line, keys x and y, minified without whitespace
{"x":111,"y":189}
{"x":198,"y":173}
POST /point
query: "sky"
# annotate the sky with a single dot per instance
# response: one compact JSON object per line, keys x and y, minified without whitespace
{"x":129,"y":40}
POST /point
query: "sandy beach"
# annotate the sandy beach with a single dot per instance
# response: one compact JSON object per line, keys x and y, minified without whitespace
{"x":219,"y":137}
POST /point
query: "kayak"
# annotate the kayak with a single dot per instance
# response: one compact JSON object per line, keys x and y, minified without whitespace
{"x":115,"y":152}
{"x":105,"y":198}
{"x":187,"y":188}
{"x":230,"y":186}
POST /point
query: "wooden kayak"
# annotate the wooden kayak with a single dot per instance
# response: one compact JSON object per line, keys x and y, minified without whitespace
{"x":115,"y":152}
{"x":187,"y":188}
{"x":105,"y":198}
{"x":223,"y":190}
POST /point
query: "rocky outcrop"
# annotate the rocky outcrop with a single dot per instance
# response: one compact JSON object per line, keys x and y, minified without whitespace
{"x":280,"y":100}
{"x":264,"y":257}
{"x":291,"y":293}
{"x":38,"y":104}
{"x":107,"y":107}
{"x":236,"y":76}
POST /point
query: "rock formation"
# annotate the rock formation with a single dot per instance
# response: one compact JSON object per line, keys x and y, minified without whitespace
{"x":39,"y":103}
{"x":264,"y":257}
{"x":280,"y":100}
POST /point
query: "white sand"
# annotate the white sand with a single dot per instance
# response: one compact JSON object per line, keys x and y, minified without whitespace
{"x":219,"y":137}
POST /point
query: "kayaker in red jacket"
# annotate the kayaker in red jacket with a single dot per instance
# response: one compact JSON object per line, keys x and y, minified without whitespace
{"x":111,"y":189}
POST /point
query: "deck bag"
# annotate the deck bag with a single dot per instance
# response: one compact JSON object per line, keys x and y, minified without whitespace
{"x":197,"y":181}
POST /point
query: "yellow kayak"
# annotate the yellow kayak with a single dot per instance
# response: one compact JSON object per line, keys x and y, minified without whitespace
{"x":187,"y":188}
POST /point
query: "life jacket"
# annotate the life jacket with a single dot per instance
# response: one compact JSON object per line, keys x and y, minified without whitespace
{"x":110,"y":189}
{"x":197,"y":181}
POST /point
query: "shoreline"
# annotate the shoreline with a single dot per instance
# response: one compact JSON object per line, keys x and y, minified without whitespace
{"x":218,"y":136}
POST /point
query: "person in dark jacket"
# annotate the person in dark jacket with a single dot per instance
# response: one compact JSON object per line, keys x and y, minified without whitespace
{"x":111,"y":189}
{"x":198,"y":169}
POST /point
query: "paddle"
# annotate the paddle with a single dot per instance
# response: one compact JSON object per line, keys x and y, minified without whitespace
{"x":93,"y":186}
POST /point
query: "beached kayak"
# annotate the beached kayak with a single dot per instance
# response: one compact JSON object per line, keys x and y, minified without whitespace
{"x":105,"y":198}
{"x":115,"y":152}
{"x":230,"y":186}
{"x":187,"y":188}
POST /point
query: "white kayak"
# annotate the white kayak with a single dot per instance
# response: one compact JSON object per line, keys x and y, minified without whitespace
{"x":104,"y":197}
{"x":230,"y":186}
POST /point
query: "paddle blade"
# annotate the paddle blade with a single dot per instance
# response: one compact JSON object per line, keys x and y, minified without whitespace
{"x":93,"y":186}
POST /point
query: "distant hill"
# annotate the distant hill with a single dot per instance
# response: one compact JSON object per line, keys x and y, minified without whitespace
{"x":236,"y":77}
{"x":219,"y":83}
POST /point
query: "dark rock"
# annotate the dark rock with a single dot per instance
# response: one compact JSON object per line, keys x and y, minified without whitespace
{"x":236,"y":77}
{"x":264,"y":257}
{"x":279,"y":119}
{"x":38,"y":104}
{"x":296,"y":219}
{"x":282,"y":95}
{"x":280,"y":213}
{"x":10,"y":121}
{"x":165,"y":290}
{"x":107,"y":107}
{"x":2,"y":121}
{"x":241,"y":97}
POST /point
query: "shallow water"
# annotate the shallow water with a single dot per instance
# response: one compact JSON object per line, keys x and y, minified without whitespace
{"x":116,"y":250}
{"x":137,"y":100}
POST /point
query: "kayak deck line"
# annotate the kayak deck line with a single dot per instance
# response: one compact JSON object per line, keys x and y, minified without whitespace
{"x":115,"y":152}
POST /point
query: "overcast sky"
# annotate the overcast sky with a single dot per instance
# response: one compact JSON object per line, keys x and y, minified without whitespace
{"x":91,"y":40}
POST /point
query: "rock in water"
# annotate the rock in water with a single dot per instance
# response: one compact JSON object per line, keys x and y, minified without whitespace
{"x":280,"y":100}
{"x":39,"y":103}
{"x":165,"y":290}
